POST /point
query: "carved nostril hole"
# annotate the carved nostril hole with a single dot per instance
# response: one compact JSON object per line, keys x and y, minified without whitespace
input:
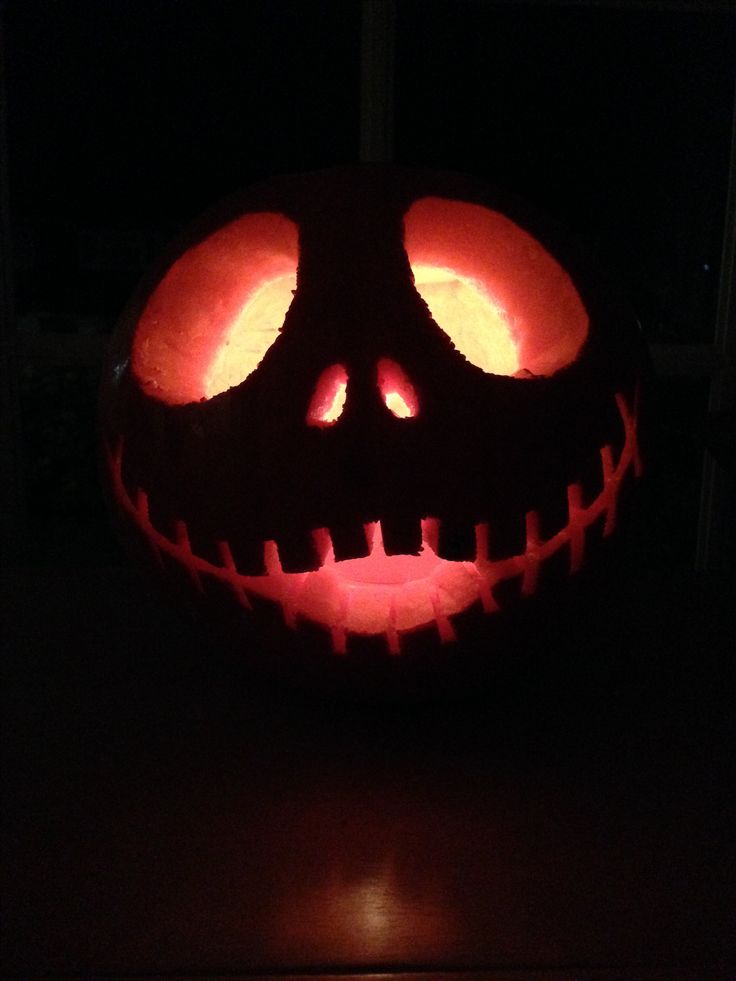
{"x":328,"y":399}
{"x":397,"y":391}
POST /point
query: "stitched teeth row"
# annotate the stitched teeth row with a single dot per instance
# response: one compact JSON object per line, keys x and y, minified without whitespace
{"x":235,"y":559}
{"x":454,"y":541}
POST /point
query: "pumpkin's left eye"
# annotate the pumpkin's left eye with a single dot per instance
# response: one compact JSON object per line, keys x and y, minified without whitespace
{"x":217,"y":311}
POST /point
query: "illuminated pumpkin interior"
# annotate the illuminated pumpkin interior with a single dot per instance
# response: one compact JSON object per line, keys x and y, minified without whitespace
{"x":397,"y":391}
{"x":329,"y":396}
{"x":476,"y":326}
{"x":507,"y":306}
{"x":252,"y":333}
{"x":218,"y":309}
{"x":504,"y":302}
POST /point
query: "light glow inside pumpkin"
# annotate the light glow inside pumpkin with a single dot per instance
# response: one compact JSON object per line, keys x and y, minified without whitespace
{"x":251,"y":334}
{"x":477,"y":327}
{"x":398,"y":392}
{"x":217,"y":310}
{"x":329,"y":397}
{"x":505,"y":303}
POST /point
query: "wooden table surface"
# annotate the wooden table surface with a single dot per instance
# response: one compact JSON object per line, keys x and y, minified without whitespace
{"x":168,"y":814}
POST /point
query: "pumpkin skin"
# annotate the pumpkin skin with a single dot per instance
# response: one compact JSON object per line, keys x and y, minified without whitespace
{"x":341,"y":483}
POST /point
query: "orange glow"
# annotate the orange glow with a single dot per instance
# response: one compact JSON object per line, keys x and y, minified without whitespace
{"x":334,"y":412}
{"x":364,"y":905}
{"x":251,"y":334}
{"x":378,"y":594}
{"x":379,"y":569}
{"x":217,"y":310}
{"x":502,"y":299}
{"x":397,"y":391}
{"x":477,"y":327}
{"x":329,"y":396}
{"x":398,"y":406}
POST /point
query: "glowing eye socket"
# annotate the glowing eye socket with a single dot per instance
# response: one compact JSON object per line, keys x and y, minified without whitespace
{"x":217,"y":310}
{"x":477,"y":327}
{"x":397,"y":391}
{"x":328,"y":400}
{"x":503,"y":300}
{"x":252,"y":333}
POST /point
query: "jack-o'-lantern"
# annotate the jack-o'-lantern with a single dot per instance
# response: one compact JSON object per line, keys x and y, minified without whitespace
{"x":359,"y":415}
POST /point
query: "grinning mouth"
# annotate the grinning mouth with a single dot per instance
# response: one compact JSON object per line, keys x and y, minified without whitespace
{"x":391,"y":595}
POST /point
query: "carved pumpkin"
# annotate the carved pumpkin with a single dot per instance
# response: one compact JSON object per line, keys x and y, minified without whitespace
{"x":364,"y":412}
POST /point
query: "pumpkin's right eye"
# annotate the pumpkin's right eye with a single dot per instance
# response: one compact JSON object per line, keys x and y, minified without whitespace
{"x":477,"y":326}
{"x":502,"y":299}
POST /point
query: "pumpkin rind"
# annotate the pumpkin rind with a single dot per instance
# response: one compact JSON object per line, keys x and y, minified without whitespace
{"x":365,"y":479}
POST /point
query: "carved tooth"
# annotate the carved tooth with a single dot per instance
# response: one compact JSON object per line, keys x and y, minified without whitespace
{"x":271,"y":558}
{"x":638,"y":465}
{"x":339,"y":630}
{"x":402,"y":535}
{"x":247,"y":554}
{"x":339,"y":640}
{"x":444,"y":627}
{"x":141,"y":511}
{"x":373,"y":535}
{"x":181,"y":536}
{"x":141,"y":506}
{"x":576,"y":526}
{"x":228,"y":563}
{"x":607,"y":464}
{"x":226,"y":556}
{"x":323,"y":545}
{"x":392,"y":635}
{"x":629,"y":417}
{"x":298,"y":552}
{"x":485,"y":592}
{"x":610,"y":489}
{"x":431,"y":532}
{"x":185,"y":554}
{"x":532,"y":530}
{"x":481,"y":542}
{"x":531,"y":554}
{"x":125,"y":489}
{"x":114,"y":454}
{"x":377,"y":540}
{"x":289,"y":602}
{"x":456,"y":540}
{"x":349,"y":541}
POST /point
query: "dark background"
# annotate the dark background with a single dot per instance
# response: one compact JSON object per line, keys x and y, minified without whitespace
{"x":124,"y":121}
